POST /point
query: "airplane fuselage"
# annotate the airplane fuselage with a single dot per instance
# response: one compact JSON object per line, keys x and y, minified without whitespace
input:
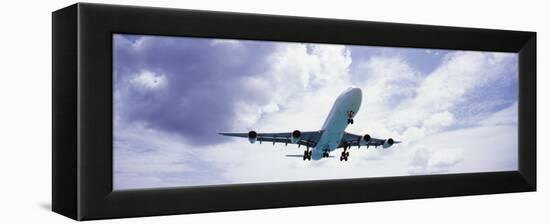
{"x":345,"y":107}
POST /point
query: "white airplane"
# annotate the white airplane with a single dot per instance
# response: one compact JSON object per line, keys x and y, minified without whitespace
{"x":331,"y":136}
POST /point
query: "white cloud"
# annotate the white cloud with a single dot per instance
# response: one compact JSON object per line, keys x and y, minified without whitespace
{"x":428,"y":160}
{"x":386,"y":81}
{"x":148,"y":80}
{"x":140,"y":154}
{"x":298,"y":85}
{"x":439,"y":93}
{"x":225,"y":41}
{"x":507,"y":116}
{"x":477,"y":149}
{"x":438,"y":120}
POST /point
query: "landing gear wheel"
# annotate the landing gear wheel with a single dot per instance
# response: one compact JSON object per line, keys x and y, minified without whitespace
{"x":344,"y":156}
{"x":307,"y":155}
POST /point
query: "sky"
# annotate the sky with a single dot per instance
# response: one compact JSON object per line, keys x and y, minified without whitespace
{"x":454,"y":111}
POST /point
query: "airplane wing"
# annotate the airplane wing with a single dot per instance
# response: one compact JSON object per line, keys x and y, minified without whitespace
{"x":357,"y":140}
{"x":309,"y":138}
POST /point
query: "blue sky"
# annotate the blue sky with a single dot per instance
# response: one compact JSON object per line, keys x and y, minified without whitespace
{"x":455,"y":111}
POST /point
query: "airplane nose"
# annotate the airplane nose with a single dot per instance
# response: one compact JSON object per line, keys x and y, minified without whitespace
{"x":355,"y":92}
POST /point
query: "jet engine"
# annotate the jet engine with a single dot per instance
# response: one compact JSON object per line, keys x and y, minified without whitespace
{"x":388,"y":143}
{"x":295,"y":137}
{"x":366,"y":138}
{"x":252,"y":136}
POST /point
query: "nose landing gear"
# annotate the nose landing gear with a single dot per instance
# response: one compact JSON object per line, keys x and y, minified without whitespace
{"x":350,"y":117}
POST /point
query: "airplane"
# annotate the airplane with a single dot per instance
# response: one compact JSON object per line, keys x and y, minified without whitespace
{"x":332,"y":134}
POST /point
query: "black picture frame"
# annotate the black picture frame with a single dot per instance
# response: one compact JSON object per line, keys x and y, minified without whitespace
{"x":82,"y":111}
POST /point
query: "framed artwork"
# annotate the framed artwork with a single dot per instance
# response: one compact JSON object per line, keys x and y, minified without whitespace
{"x":196,"y":111}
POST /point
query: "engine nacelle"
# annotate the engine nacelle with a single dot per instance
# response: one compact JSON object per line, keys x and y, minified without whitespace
{"x":252,"y":136}
{"x":388,"y":143}
{"x":365,"y":138}
{"x":295,"y":137}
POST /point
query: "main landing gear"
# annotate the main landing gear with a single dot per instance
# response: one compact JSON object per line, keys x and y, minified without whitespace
{"x":325,"y":153}
{"x":345,"y":154}
{"x":307,"y":154}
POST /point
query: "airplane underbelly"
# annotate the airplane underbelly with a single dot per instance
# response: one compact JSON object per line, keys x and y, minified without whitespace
{"x":329,"y":140}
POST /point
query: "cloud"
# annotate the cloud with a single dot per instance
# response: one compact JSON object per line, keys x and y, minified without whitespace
{"x":427,"y":161}
{"x":476,"y":149}
{"x":438,"y":120}
{"x":148,"y":80}
{"x":148,"y":158}
{"x":443,"y":94}
{"x":453,"y":118}
{"x":201,"y":80}
{"x":507,"y":116}
{"x":297,"y":81}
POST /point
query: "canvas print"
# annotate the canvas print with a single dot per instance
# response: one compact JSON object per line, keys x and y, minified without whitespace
{"x":191,"y":111}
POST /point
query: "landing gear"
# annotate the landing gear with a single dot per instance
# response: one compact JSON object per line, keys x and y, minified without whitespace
{"x":350,"y":117}
{"x":325,"y":154}
{"x":307,"y":155}
{"x":345,"y":154}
